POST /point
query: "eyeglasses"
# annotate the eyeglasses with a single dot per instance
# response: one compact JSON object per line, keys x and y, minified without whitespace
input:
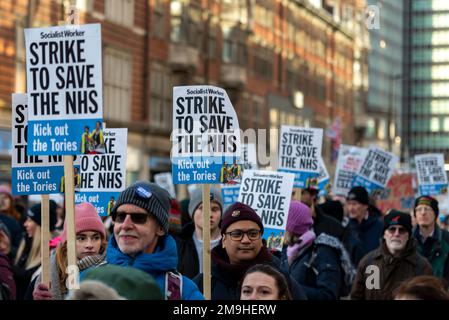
{"x":136,"y":218}
{"x":423,"y":209}
{"x":237,"y":235}
{"x":392,"y":230}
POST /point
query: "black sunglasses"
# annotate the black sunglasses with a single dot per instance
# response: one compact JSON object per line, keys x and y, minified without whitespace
{"x":136,"y":218}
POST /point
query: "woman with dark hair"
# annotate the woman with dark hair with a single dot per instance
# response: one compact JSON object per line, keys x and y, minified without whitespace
{"x":263,"y":282}
{"x":422,"y":288}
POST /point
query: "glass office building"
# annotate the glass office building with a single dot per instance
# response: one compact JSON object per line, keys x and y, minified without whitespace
{"x":426,"y":70}
{"x":385,"y":75}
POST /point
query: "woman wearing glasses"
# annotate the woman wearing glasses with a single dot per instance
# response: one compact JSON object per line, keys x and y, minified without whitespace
{"x":383,"y":270}
{"x":91,"y":245}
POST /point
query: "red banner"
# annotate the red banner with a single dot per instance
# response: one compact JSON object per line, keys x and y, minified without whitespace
{"x":399,"y":193}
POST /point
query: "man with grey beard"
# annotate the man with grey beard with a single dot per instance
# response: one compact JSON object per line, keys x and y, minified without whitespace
{"x":383,"y":270}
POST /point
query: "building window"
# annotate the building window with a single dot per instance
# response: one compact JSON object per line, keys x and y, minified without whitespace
{"x":446,"y":124}
{"x":263,"y":63}
{"x":158,"y":23}
{"x":292,"y":74}
{"x":120,"y":11}
{"x":382,"y":129}
{"x":212,"y":44}
{"x":177,"y":28}
{"x":258,"y":113}
{"x":243,"y":111}
{"x":186,"y":23}
{"x":370,"y":128}
{"x":117,"y":84}
{"x":194,"y":26}
{"x":425,"y":5}
{"x":234,"y":46}
{"x":321,"y":86}
{"x":274,"y":121}
{"x":161,"y":99}
{"x":20,"y":58}
{"x":264,"y":16}
{"x":435,"y":124}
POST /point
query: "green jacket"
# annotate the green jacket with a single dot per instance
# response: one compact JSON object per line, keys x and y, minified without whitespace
{"x":438,"y":253}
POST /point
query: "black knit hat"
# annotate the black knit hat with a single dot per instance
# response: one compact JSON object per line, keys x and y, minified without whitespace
{"x":395,"y":217}
{"x":358,"y":194}
{"x":238,"y":212}
{"x":148,"y":196}
{"x":428,"y":201}
{"x":35,"y":214}
{"x":333,"y":208}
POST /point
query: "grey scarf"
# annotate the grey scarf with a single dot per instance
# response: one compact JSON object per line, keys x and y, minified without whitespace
{"x":82,"y":264}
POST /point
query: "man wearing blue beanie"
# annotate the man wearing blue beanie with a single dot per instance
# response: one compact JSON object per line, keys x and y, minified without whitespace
{"x":141,"y":239}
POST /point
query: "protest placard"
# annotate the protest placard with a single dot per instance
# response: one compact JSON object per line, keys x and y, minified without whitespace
{"x":165,"y":181}
{"x":323,"y":180}
{"x":299,"y":153}
{"x":64,"y":87}
{"x":376,"y":170}
{"x":206,"y":136}
{"x":398,"y":194}
{"x":31,"y":175}
{"x":229,"y":192}
{"x":103,"y":176}
{"x":350,"y":159}
{"x":432,"y":178}
{"x":269,"y":194}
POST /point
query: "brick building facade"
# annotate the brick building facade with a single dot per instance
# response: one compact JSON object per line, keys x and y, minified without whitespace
{"x":282,"y":62}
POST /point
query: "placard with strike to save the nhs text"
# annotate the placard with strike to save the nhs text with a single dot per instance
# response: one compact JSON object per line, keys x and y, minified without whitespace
{"x":64,"y":87}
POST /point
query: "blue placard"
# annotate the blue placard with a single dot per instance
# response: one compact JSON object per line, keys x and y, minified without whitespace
{"x":370,"y":186}
{"x":31,"y":175}
{"x":63,"y":137}
{"x":433,"y":189}
{"x":324,"y":187}
{"x":199,"y":170}
{"x":102,"y":201}
{"x":274,"y":238}
{"x":36,"y":180}
{"x":301,"y":177}
{"x":230,"y":195}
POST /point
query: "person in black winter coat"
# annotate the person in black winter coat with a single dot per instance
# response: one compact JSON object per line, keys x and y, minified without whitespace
{"x":241,"y":248}
{"x":365,"y":227}
{"x":334,"y":209}
{"x":314,"y":265}
{"x":190,"y":242}
{"x":322,"y":223}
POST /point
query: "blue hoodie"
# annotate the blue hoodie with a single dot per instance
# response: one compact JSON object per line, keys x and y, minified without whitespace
{"x":163,"y":259}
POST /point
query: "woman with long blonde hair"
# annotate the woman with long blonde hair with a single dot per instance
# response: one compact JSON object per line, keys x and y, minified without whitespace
{"x":91,"y":245}
{"x":28,"y":258}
